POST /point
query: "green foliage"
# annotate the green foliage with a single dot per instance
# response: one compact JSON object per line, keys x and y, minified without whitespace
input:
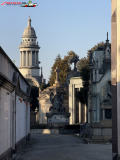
{"x":14,"y":61}
{"x":64,"y":67}
{"x":44,"y":86}
{"x":35,"y":95}
{"x":83,"y":67}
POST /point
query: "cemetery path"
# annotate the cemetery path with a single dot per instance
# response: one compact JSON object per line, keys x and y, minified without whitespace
{"x":63,"y":147}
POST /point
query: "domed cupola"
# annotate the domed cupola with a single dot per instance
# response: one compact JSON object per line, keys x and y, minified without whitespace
{"x":29,"y":31}
{"x":29,"y":52}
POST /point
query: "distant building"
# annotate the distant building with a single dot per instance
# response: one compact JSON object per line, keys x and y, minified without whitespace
{"x":29,"y":57}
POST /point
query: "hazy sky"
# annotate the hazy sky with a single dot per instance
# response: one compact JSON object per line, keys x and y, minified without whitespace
{"x":60,"y":25}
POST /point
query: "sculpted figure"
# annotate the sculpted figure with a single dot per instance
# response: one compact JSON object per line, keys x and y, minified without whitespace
{"x":57,"y":101}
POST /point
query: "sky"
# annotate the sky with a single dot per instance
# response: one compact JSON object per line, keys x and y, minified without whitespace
{"x":60,"y":26}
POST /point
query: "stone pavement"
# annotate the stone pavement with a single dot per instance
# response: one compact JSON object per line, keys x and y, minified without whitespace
{"x":63,"y":147}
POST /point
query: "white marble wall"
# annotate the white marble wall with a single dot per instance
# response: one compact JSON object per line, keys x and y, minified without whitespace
{"x":8,"y":130}
{"x":22,"y":121}
{"x":5,"y":128}
{"x":43,"y":109}
{"x":6,"y":68}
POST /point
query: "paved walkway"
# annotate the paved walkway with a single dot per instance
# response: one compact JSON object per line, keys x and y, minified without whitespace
{"x":63,"y":147}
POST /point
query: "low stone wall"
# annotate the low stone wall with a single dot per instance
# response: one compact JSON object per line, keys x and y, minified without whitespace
{"x":54,"y":131}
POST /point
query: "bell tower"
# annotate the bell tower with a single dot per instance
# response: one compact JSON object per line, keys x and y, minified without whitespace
{"x":29,"y":52}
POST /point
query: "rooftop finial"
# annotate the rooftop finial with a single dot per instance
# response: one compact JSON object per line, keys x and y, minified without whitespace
{"x":29,"y":21}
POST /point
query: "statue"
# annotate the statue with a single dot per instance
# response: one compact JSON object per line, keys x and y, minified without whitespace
{"x":57,"y":101}
{"x":107,"y":101}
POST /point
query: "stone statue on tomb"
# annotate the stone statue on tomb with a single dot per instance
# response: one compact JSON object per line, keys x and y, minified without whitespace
{"x":57,"y":101}
{"x":107,"y":100}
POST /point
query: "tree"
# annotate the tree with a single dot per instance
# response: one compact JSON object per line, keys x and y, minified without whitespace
{"x":14,"y":61}
{"x":44,"y":86}
{"x":83,"y":67}
{"x":64,"y":66}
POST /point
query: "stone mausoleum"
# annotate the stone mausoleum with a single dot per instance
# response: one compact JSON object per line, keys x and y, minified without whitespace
{"x":48,"y":101}
{"x":99,"y":100}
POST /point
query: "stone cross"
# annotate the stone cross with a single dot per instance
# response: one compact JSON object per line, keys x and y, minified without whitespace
{"x":74,"y":60}
{"x":57,"y":74}
{"x":107,"y":38}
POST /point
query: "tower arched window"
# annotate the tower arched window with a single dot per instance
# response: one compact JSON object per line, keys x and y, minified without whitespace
{"x":28,"y":39}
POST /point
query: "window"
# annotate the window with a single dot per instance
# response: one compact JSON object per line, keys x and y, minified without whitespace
{"x":25,"y":39}
{"x":32,"y":39}
{"x":28,"y":39}
{"x":108,"y":114}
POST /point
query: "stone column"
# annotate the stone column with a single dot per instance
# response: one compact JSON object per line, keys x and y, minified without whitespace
{"x":26,"y":58}
{"x":98,"y":108}
{"x":93,"y":119}
{"x":70,"y":102}
{"x":73,"y":103}
{"x":22,"y":58}
{"x":89,"y":108}
{"x":31,"y":57}
{"x":103,"y":114}
{"x":35,"y":58}
{"x":79,"y":110}
{"x":37,"y":55}
{"x":93,"y":74}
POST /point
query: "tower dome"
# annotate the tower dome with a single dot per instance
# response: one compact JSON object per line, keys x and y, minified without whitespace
{"x":29,"y":31}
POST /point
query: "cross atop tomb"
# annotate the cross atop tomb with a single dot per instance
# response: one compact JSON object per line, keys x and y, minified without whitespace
{"x":57,"y":75}
{"x":107,"y":38}
{"x":74,"y":60}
